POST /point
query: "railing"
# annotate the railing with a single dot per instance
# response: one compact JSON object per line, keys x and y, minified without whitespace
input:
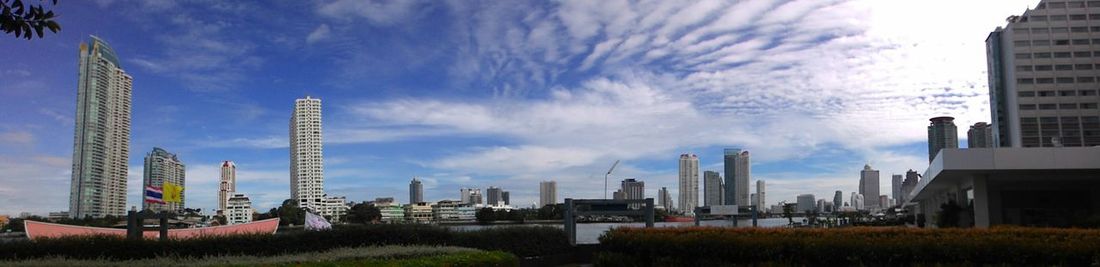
{"x":603,"y":207}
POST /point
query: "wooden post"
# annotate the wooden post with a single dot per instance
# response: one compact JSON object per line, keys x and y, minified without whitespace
{"x":570,"y":222}
{"x":133,"y":225}
{"x":163,"y":226}
{"x":649,"y":213}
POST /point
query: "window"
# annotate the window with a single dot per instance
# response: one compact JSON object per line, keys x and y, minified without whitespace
{"x":1025,"y":94}
{"x":1096,"y":41}
{"x":1046,"y":93}
{"x":1082,"y":54}
{"x":1067,"y":93}
{"x":1094,"y":3}
{"x":1044,"y":68}
{"x":1063,"y":67}
{"x":1076,"y":4}
{"x":1083,"y":66}
{"x":1027,"y":107}
{"x":1025,"y":81}
{"x":1023,"y":56}
{"x":1078,"y":17}
{"x":1080,"y":41}
{"x":1079,"y":29}
{"x":1044,"y":81}
{"x":1024,"y":68}
{"x":1048,"y":106}
{"x":1088,"y":92}
{"x":1086,"y":79}
{"x":1065,"y":80}
{"x":1088,"y":105}
{"x":1056,"y":42}
{"x":1038,"y":18}
{"x":1067,"y":106}
{"x":1019,"y":30}
{"x":1056,"y":5}
{"x":1058,"y":30}
{"x":1094,"y":16}
{"x":1095,"y":29}
{"x":1058,"y":18}
{"x":1062,"y":54}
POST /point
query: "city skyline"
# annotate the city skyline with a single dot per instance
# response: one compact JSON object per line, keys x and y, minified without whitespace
{"x":389,"y":122}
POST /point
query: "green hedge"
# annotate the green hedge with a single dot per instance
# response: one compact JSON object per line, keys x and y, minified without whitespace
{"x":461,"y":259}
{"x":522,"y":241}
{"x":849,"y":246}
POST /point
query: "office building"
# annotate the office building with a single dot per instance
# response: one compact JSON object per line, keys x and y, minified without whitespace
{"x":307,"y":180}
{"x":632,"y":189}
{"x":453,"y":210}
{"x":689,"y":183}
{"x":548,"y":193}
{"x":1042,"y":77}
{"x":941,"y":134}
{"x":494,"y":196}
{"x":420,"y":212}
{"x":101,"y":146}
{"x":391,"y":212}
{"x":838,"y":199}
{"x":664,"y":199}
{"x":712,"y":188}
{"x":856,"y":201}
{"x":907,"y":186}
{"x":805,"y":203}
{"x":238,"y":209}
{"x":884,"y":201}
{"x":868,"y":187}
{"x":980,"y":135}
{"x":416,"y":191}
{"x":737,"y":173}
{"x":227,"y":185}
{"x":760,"y":200}
{"x":506,"y":198}
{"x":895,"y":186}
{"x":162,"y":167}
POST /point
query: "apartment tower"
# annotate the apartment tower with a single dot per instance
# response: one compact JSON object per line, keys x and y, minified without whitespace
{"x":689,"y":183}
{"x":162,"y":167}
{"x":942,"y":133}
{"x":307,"y":180}
{"x":228,"y":184}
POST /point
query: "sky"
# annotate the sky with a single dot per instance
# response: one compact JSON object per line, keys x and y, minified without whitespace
{"x":505,"y":93}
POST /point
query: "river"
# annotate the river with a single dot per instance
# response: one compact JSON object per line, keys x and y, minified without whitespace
{"x":589,"y":233}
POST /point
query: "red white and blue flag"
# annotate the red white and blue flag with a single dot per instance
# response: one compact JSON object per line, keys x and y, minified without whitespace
{"x":154,"y":194}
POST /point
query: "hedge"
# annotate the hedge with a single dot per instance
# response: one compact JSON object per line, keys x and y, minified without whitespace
{"x":522,"y":241}
{"x":848,"y":246}
{"x":361,"y":256}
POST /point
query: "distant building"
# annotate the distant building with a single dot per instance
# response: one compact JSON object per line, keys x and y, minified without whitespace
{"x":712,"y":188}
{"x":391,"y":212}
{"x":895,"y":186}
{"x":907,"y":186}
{"x":664,"y":200}
{"x":868,"y":186}
{"x":689,"y":183}
{"x":821,"y":206}
{"x":857,"y":201}
{"x":227,"y":184}
{"x":57,"y":216}
{"x":238,"y":209}
{"x":548,"y":193}
{"x":419,"y":212}
{"x":760,"y":193}
{"x":884,"y":201}
{"x":452,"y":210}
{"x":737,"y":170}
{"x":633,"y":189}
{"x":162,"y":167}
{"x":336,"y":208}
{"x":805,"y":203}
{"x":307,"y":178}
{"x":4,"y":219}
{"x":382,"y":201}
{"x":416,"y":191}
{"x":494,"y":196}
{"x":838,"y":199}
{"x":506,"y":197}
{"x":752,"y":198}
{"x":941,"y":134}
{"x":470,"y":196}
{"x":980,"y":135}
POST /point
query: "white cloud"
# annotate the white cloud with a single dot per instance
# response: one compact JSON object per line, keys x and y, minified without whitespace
{"x":375,"y":11}
{"x":16,"y":138}
{"x":321,"y":33}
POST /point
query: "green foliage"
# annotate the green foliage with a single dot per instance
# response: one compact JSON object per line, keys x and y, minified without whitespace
{"x":24,"y":20}
{"x":855,"y":246}
{"x":289,"y":213}
{"x":460,"y":259}
{"x":362,"y":256}
{"x":523,"y":241}
{"x":488,"y":215}
{"x":551,"y":212}
{"x":788,"y":212}
{"x":363,"y":213}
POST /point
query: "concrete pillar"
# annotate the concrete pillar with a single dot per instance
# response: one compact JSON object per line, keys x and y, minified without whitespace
{"x":570,"y":221}
{"x":981,"y":201}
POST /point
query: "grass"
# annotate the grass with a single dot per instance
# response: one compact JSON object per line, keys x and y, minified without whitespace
{"x":361,"y":256}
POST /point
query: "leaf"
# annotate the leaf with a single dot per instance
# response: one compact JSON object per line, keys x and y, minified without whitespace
{"x":54,"y":27}
{"x":38,"y":29}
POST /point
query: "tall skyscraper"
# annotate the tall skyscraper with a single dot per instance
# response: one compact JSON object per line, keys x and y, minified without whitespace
{"x":857,"y":201}
{"x":805,"y":203}
{"x":868,"y":187}
{"x":307,"y":179}
{"x":980,"y":135}
{"x":101,"y":145}
{"x":548,"y":193}
{"x":1042,"y":77}
{"x":712,"y":188}
{"x":760,"y":199}
{"x":162,"y":167}
{"x":506,"y":197}
{"x":227,"y":185}
{"x":737,"y":170}
{"x":895,"y":186}
{"x":416,"y":191}
{"x":470,"y":196}
{"x":941,"y":134}
{"x":493,"y":196}
{"x":689,"y":183}
{"x":838,"y":199}
{"x":633,"y":189}
{"x":907,"y":186}
{"x":664,"y":199}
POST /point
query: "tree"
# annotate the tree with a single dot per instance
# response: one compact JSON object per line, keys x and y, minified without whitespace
{"x":290,"y":213}
{"x":24,"y":20}
{"x":364,"y":213}
{"x":551,"y":212}
{"x":485,"y":215}
{"x":788,"y":212}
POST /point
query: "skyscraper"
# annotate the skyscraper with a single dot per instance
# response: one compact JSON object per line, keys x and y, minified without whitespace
{"x":548,"y":193}
{"x":162,"y":167}
{"x":506,"y":197}
{"x":416,"y":191}
{"x":493,"y":196}
{"x":633,"y":189}
{"x":907,"y":186}
{"x":689,"y":183}
{"x":857,"y":201}
{"x":895,"y":186}
{"x":806,"y":203}
{"x":941,"y":134}
{"x":307,"y":180}
{"x":980,"y":135}
{"x":227,"y":185}
{"x":868,"y":187}
{"x":664,"y":199}
{"x":1042,"y":77}
{"x":712,"y":188}
{"x":838,"y":199}
{"x":101,"y":145}
{"x":737,"y":171}
{"x":760,"y":200}
{"x":470,"y":196}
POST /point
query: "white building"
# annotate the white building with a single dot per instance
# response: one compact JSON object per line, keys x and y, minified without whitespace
{"x":1043,"y":75}
{"x":228,"y":184}
{"x":664,"y":199}
{"x":452,"y":210}
{"x":689,"y":183}
{"x":162,"y":167}
{"x":868,"y":187}
{"x":760,"y":195}
{"x":419,"y":212}
{"x":101,"y":146}
{"x":307,"y":174}
{"x":856,"y":201}
{"x":238,"y":209}
{"x":548,"y":193}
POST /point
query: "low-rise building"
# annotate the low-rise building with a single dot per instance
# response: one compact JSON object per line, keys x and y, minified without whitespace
{"x":337,"y":207}
{"x":453,"y":210}
{"x":420,"y":212}
{"x":238,"y":209}
{"x":58,"y":215}
{"x":391,"y":212}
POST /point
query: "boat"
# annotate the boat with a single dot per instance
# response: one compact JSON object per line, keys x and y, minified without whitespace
{"x":37,"y":230}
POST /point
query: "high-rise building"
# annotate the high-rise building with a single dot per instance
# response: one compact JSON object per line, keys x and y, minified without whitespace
{"x":857,"y":201}
{"x":494,"y":196}
{"x":760,"y":192}
{"x":162,"y":167}
{"x":941,"y":134}
{"x":664,"y":199}
{"x":416,"y":191}
{"x":1042,"y":77}
{"x":884,"y":201}
{"x":101,"y":145}
{"x":307,"y":180}
{"x":227,"y":185}
{"x":470,"y":196}
{"x":689,"y":183}
{"x":805,"y":203}
{"x":737,"y":170}
{"x":712,"y":188}
{"x":506,"y":198}
{"x":752,"y":198}
{"x":633,"y":189}
{"x":548,"y":193}
{"x":895,"y":186}
{"x":838,"y":199}
{"x":907,"y":186}
{"x":868,"y":187}
{"x":238,"y":209}
{"x":980,"y":135}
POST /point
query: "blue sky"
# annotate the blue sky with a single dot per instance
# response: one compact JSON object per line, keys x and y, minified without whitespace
{"x":505,"y":93}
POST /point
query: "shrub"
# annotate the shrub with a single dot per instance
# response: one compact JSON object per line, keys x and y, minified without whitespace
{"x":849,"y":246}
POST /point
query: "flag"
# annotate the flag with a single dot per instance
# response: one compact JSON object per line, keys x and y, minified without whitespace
{"x":154,"y":194}
{"x":315,"y":222}
{"x":173,"y":193}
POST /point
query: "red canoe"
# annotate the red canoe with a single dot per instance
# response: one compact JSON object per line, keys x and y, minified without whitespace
{"x":37,"y":230}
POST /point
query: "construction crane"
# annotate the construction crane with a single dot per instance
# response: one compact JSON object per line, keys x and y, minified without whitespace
{"x":605,"y":178}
